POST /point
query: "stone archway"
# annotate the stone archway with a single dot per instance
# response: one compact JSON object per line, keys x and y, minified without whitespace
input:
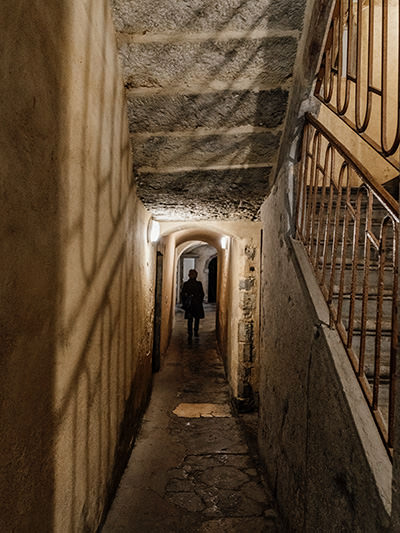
{"x":237,"y":303}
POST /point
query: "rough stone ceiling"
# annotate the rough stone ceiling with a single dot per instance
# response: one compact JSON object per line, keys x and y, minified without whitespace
{"x":207,"y":85}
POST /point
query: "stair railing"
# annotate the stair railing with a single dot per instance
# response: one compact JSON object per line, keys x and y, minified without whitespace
{"x":349,"y":225}
{"x":360,"y":70}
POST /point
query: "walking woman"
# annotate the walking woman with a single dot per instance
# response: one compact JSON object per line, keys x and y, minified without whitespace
{"x":192,"y":301}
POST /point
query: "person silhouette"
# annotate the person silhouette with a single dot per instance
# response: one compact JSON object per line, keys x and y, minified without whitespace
{"x":192,"y":295}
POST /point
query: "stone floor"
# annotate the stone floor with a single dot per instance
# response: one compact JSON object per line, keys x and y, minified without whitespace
{"x":191,"y":469}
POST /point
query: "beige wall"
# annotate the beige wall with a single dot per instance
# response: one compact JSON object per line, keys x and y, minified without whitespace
{"x":237,"y":292}
{"x":77,"y":274}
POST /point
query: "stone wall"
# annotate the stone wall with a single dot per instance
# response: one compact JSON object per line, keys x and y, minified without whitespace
{"x":325,"y":460}
{"x":77,"y":272}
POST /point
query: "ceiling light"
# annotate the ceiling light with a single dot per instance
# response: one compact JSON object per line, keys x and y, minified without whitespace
{"x":153,"y":230}
{"x":224,"y":243}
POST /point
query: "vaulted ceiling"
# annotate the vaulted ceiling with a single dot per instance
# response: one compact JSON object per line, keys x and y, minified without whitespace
{"x":207,"y":85}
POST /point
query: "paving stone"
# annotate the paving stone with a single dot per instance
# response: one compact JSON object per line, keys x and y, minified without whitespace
{"x":204,"y":15}
{"x":179,"y":485}
{"x":266,"y":61}
{"x":186,"y":500}
{"x":209,"y":496}
{"x":224,"y":477}
{"x":223,"y":109}
{"x":202,"y":462}
{"x":236,"y":525}
{"x":234,"y":503}
{"x":178,"y":473}
{"x":202,"y":410}
{"x":215,"y":397}
{"x":241,"y":461}
{"x":213,"y":435}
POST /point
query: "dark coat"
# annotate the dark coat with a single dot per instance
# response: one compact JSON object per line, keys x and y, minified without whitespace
{"x":192,"y":299}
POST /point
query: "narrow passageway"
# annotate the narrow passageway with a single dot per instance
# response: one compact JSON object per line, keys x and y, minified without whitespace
{"x":190,"y":469}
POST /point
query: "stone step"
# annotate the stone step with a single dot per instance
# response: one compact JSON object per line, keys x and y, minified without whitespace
{"x":225,"y":191}
{"x":373,"y":276}
{"x":369,"y":370}
{"x":375,"y":225}
{"x":370,"y":325}
{"x":191,"y":150}
{"x":369,"y":363}
{"x":370,"y":345}
{"x":371,"y":307}
{"x":374,"y":256}
{"x":383,"y":398}
{"x":265,"y":62}
{"x":204,"y":16}
{"x":221,"y":109}
{"x":348,"y":261}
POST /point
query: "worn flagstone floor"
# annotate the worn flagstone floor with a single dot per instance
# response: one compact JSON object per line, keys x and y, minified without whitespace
{"x":190,"y":469}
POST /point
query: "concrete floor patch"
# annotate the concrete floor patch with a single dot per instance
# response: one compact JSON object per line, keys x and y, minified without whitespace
{"x":202,"y":410}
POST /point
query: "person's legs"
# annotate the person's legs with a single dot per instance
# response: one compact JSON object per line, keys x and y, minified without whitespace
{"x":190,"y":326}
{"x":196,"y":326}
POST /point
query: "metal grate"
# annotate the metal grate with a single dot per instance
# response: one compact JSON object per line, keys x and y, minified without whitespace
{"x":359,"y":75}
{"x":349,"y":226}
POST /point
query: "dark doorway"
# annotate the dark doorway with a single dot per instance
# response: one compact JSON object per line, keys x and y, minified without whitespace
{"x":157,"y":313}
{"x":212,"y":280}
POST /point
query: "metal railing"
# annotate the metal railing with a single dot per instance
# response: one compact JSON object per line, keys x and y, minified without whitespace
{"x":349,"y":226}
{"x":359,"y":75}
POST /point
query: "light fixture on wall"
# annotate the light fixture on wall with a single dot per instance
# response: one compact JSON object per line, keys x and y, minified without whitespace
{"x":153,"y":231}
{"x":224,"y":242}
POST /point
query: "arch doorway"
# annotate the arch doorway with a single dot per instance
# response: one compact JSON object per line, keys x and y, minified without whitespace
{"x":212,"y":280}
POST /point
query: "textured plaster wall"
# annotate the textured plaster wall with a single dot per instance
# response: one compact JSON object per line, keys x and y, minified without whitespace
{"x":77,"y":272}
{"x":321,"y":464}
{"x":30,"y":110}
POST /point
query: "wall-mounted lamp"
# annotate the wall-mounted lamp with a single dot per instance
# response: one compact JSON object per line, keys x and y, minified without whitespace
{"x":153,"y":231}
{"x":224,"y":243}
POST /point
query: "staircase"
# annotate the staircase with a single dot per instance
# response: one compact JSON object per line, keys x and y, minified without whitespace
{"x":207,"y":86}
{"x":349,"y":226}
{"x":356,"y":314}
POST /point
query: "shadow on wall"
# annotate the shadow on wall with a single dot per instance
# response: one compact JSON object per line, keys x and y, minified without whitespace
{"x":75,"y":327}
{"x":104,"y":361}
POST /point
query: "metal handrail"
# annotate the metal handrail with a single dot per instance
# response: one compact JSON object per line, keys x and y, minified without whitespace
{"x":381,"y":193}
{"x":360,"y":70}
{"x":349,"y":225}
